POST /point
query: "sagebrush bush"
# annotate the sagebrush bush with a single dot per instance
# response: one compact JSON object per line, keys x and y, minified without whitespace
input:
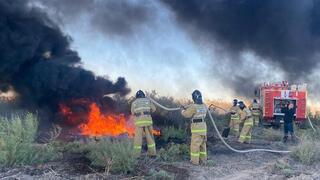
{"x":17,"y":142}
{"x":113,"y":155}
{"x":308,"y":150}
{"x":174,"y":152}
{"x":159,"y":175}
{"x":174,"y":133}
{"x":283,"y":168}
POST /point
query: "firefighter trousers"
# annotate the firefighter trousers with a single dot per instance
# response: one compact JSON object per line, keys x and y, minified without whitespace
{"x":139,"y":134}
{"x":234,"y":127}
{"x":256,"y":120}
{"x":245,"y":135}
{"x":198,"y":149}
{"x":288,"y":128}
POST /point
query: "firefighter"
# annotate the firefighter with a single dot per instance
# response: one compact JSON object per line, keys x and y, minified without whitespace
{"x":247,"y":120}
{"x":288,"y":119}
{"x":256,"y":112}
{"x":141,"y":109}
{"x":197,"y":112}
{"x":235,"y":118}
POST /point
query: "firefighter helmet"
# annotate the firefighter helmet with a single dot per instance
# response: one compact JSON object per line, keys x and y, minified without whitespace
{"x":235,"y":102}
{"x":197,"y":97}
{"x":241,"y":105}
{"x":140,"y":94}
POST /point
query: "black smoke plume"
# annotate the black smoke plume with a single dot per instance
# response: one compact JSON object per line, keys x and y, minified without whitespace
{"x":119,"y":18}
{"x":284,"y":33}
{"x":36,"y":60}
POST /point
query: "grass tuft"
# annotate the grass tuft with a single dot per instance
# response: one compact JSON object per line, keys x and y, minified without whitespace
{"x":159,"y":175}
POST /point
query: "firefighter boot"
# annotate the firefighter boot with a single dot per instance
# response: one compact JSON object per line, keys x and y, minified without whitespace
{"x":285,"y":139}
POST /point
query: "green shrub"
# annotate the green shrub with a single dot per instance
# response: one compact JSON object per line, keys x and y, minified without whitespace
{"x":113,"y":155}
{"x":174,"y":152}
{"x":307,"y":152}
{"x":17,"y":147}
{"x":283,"y":168}
{"x":159,"y":175}
{"x":174,"y":133}
{"x":210,"y":163}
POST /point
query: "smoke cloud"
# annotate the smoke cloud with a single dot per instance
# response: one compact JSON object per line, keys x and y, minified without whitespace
{"x":283,"y":33}
{"x":36,"y":60}
{"x":119,"y":18}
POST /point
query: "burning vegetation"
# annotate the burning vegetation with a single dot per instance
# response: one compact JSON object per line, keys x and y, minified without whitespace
{"x":91,"y":121}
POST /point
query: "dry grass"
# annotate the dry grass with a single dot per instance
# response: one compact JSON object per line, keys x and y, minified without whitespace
{"x":268,"y":134}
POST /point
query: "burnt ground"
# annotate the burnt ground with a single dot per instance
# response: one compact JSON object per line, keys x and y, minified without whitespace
{"x":224,"y":164}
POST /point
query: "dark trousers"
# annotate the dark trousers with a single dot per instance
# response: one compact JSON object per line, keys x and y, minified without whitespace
{"x":288,"y":127}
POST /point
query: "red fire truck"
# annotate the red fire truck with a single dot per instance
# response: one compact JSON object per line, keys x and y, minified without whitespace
{"x":274,"y":96}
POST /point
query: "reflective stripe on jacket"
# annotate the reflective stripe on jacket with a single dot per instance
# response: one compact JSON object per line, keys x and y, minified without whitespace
{"x":197,"y":111}
{"x":143,"y":107}
{"x":255,"y":109}
{"x":248,"y":121}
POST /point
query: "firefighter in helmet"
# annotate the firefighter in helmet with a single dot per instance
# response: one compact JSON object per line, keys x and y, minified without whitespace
{"x":197,"y":112}
{"x":141,"y":109}
{"x":235,"y":118}
{"x":247,"y":120}
{"x":256,"y":112}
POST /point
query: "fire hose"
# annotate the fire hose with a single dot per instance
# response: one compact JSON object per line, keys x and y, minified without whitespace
{"x":311,"y":124}
{"x":219,"y":135}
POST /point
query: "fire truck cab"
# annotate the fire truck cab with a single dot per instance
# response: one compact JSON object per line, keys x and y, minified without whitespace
{"x":274,"y":96}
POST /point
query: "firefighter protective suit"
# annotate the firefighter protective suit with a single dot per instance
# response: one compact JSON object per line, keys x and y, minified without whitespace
{"x":256,"y":113}
{"x":246,"y":118}
{"x":198,"y":149}
{"x":141,"y":109}
{"x":235,"y":120}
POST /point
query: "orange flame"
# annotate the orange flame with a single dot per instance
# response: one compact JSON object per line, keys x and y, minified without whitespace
{"x":105,"y":125}
{"x":99,"y":124}
{"x":156,"y":132}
